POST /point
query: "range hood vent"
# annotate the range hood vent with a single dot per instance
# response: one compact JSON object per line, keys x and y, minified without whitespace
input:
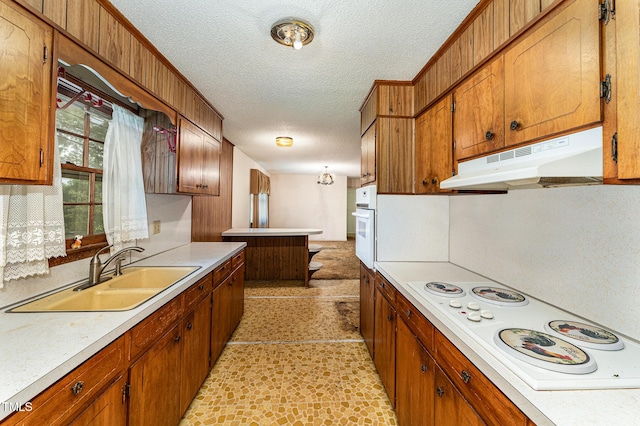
{"x":574,"y":159}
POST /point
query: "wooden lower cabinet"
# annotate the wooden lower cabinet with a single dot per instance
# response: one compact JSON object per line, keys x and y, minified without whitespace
{"x":367,"y":305}
{"x":109,"y":409}
{"x":227,"y":306}
{"x":415,"y":388}
{"x":195,"y":351}
{"x":155,"y":383}
{"x":384,"y":343}
{"x":450,"y":408}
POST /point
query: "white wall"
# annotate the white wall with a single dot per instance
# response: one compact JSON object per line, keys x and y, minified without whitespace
{"x":351,"y":207}
{"x":297,"y":201}
{"x":241,"y":208}
{"x":412,"y":228}
{"x":577,"y":247}
{"x":174,"y":213}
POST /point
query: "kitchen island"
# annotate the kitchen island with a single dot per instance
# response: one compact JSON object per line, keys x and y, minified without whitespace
{"x":275,"y":253}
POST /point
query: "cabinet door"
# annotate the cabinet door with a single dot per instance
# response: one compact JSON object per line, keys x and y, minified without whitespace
{"x":25,"y":97}
{"x":237,"y":298}
{"x":627,"y":68}
{"x":368,"y":156}
{"x":211,"y":166}
{"x":478,"y":118}
{"x":552,"y":77}
{"x":190,"y":157}
{"x":394,"y":164}
{"x":367,"y":292}
{"x":414,"y":380}
{"x":433,"y":147}
{"x":220,"y":318}
{"x":155,"y":383}
{"x":196,"y":328}
{"x":384,"y":344}
{"x":109,"y":409}
{"x":450,"y":408}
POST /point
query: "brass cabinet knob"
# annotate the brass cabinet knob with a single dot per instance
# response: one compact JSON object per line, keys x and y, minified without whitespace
{"x":514,"y":125}
{"x":465,"y":376}
{"x":77,"y":388}
{"x":489,"y":135}
{"x":440,"y":391}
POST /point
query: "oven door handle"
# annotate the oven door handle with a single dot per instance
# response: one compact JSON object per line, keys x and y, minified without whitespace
{"x":362,"y":215}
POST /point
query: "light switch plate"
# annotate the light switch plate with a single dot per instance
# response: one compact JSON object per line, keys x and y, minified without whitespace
{"x":156,"y":226}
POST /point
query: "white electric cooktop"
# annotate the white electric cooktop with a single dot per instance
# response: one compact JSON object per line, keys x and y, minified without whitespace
{"x":546,"y":347}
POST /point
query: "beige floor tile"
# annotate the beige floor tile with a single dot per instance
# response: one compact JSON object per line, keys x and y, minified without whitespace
{"x":297,"y":358}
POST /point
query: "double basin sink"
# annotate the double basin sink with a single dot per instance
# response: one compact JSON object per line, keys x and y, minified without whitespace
{"x":120,"y":293}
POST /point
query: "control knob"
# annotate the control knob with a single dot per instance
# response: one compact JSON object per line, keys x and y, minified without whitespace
{"x":474,"y":306}
{"x":455,"y":304}
{"x":474,"y":316}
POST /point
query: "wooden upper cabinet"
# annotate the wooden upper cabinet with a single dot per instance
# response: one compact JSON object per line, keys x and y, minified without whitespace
{"x":627,"y":89}
{"x":198,"y":160}
{"x":56,"y":10}
{"x":368,"y":156}
{"x":478,"y":118}
{"x":433,"y":147}
{"x":114,"y":41}
{"x":25,"y":97}
{"x":552,"y":76}
{"x":521,"y":12}
{"x":395,"y":155}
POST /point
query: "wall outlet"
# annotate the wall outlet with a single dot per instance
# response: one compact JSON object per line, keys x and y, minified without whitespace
{"x":156,"y":226}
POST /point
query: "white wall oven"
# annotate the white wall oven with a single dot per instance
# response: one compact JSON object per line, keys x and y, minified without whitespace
{"x":365,"y":225}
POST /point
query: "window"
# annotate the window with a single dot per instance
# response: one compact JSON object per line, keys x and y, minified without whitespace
{"x":81,"y":128}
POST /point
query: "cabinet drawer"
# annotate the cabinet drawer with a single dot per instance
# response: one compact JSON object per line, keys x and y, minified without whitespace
{"x":64,"y":399}
{"x":386,"y":288}
{"x":148,"y":331}
{"x":197,"y":292}
{"x":237,"y":260}
{"x":421,"y":326}
{"x":492,"y":405}
{"x":221,"y":273}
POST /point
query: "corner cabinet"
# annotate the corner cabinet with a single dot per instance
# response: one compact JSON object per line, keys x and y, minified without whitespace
{"x":25,"y":91}
{"x":198,"y":160}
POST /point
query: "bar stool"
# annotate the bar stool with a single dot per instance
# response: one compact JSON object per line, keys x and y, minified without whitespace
{"x":313,"y":267}
{"x":313,"y":250}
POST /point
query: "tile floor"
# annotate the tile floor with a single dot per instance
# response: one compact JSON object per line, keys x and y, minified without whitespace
{"x":296,"y":358}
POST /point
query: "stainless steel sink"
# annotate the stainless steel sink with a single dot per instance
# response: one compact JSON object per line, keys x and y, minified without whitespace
{"x":135,"y":286}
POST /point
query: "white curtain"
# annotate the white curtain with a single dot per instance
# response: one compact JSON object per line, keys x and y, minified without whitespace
{"x":32,"y":227}
{"x":123,"y":199}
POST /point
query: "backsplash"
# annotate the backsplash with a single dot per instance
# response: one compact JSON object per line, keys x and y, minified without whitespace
{"x":174,"y":213}
{"x":575,"y":247}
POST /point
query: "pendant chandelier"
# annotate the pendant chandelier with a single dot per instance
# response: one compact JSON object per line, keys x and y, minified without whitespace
{"x":326,"y":178}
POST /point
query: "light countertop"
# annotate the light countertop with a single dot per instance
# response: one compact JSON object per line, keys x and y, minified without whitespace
{"x":270,"y":232}
{"x":37,"y":349}
{"x":562,"y":408}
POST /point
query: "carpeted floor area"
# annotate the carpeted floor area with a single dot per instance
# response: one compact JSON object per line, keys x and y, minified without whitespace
{"x":297,"y":357}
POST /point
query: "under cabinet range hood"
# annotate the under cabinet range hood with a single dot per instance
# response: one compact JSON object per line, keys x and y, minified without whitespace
{"x":574,"y":159}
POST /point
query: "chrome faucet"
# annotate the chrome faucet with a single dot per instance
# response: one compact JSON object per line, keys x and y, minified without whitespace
{"x":96,"y":267}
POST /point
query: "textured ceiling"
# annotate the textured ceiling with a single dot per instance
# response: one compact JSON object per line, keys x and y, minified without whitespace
{"x":265,"y":90}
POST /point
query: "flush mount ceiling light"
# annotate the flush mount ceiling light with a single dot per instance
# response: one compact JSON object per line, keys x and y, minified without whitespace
{"x":284,"y":141}
{"x":326,"y":178}
{"x":292,"y":32}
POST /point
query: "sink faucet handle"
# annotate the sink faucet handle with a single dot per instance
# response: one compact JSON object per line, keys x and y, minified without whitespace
{"x":96,"y":257}
{"x":118,"y":262}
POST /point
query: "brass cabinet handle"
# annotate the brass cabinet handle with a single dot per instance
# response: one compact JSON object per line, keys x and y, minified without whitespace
{"x":176,"y":339}
{"x":514,"y":125}
{"x":434,"y":180}
{"x":189,"y":327}
{"x":425,"y":182}
{"x":440,"y":391}
{"x":489,"y":135}
{"x":77,"y":388}
{"x":465,"y":376}
{"x":423,"y":368}
{"x":201,"y":287}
